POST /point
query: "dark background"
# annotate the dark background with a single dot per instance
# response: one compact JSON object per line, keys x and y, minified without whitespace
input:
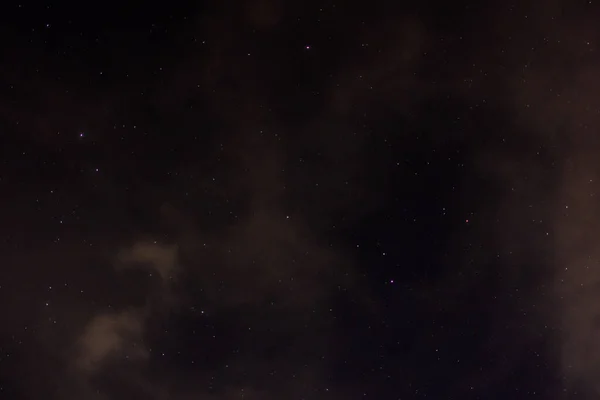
{"x":270,"y":199}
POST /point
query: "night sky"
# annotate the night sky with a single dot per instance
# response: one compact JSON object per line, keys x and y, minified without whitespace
{"x":298,"y":200}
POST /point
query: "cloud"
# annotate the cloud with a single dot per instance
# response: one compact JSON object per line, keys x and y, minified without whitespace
{"x":121,"y":333}
{"x":268,"y":255}
{"x":109,"y":334}
{"x":577,"y":230}
{"x":550,"y":175}
{"x":263,"y":14}
{"x":387,"y":72}
{"x":152,"y":256}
